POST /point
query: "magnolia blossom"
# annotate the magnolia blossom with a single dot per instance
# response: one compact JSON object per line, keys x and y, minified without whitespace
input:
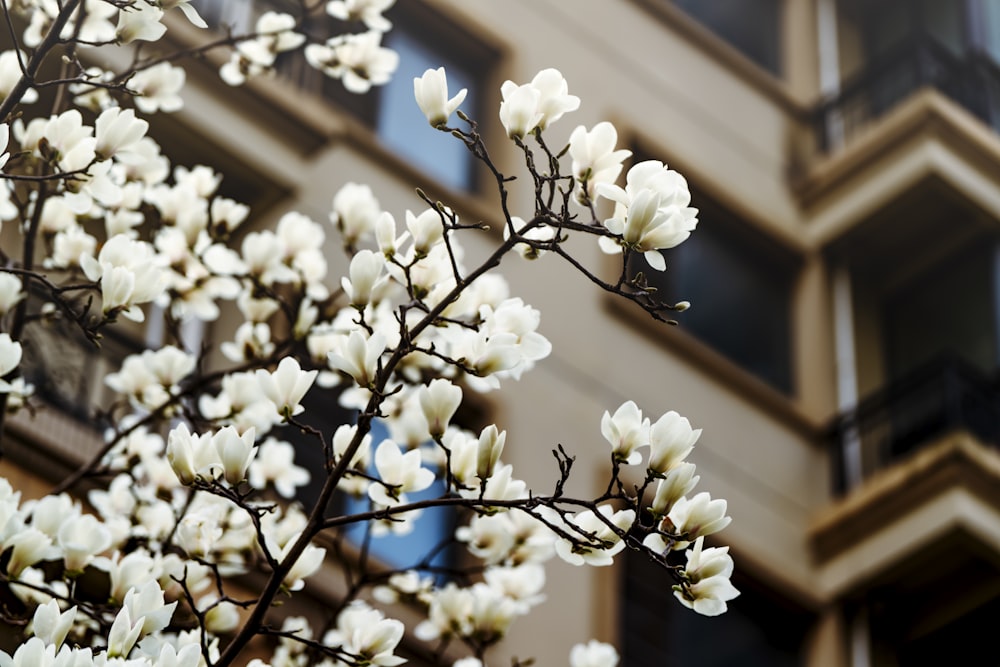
{"x":4,"y":138}
{"x":707,"y":588}
{"x":286,"y":386}
{"x":696,"y":517}
{"x":52,"y":624}
{"x":490,"y":446}
{"x":140,"y":21}
{"x":128,"y":273}
{"x":308,"y":562}
{"x":399,"y":474}
{"x":671,"y":439}
{"x":358,"y":60}
{"x":431,"y":92}
{"x":593,"y":654}
{"x":82,"y":538}
{"x":626,"y":430}
{"x":592,"y":540}
{"x":365,"y":271}
{"x":10,"y":74}
{"x":275,"y":464}
{"x":367,"y":11}
{"x":595,"y":159}
{"x":364,"y":632}
{"x":651,"y":212}
{"x":118,"y":131}
{"x":158,"y":88}
{"x":439,"y":400}
{"x":534,"y":105}
{"x":359,"y":356}
{"x":235,"y":451}
{"x":10,"y":354}
{"x":541,"y":233}
{"x":354,"y":213}
{"x":678,"y":482}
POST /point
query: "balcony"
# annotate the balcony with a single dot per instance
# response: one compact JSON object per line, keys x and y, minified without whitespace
{"x":971,"y":79}
{"x":944,"y":396}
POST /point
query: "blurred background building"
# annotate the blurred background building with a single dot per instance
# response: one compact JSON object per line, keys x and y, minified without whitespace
{"x":842,"y":348}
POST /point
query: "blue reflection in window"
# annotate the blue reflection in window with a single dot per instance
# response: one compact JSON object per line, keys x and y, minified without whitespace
{"x":402,"y":126}
{"x":430,"y":529}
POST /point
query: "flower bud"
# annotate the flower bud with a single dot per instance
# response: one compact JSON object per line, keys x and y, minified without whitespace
{"x":490,"y":447}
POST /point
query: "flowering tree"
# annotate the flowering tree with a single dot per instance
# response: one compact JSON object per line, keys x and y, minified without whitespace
{"x":193,"y":491}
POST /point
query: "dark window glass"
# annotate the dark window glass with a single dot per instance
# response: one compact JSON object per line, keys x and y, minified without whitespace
{"x":760,"y":629}
{"x":752,"y":26}
{"x":916,"y":330}
{"x":740,"y":288}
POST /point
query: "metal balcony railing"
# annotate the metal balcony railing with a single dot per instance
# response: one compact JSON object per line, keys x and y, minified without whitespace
{"x":943,"y":396}
{"x":971,"y":79}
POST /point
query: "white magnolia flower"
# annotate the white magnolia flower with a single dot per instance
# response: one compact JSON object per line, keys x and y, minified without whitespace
{"x":652,"y":212}
{"x":671,"y":439}
{"x":535,"y":105}
{"x":626,"y":430}
{"x":490,"y":446}
{"x":593,"y":654}
{"x":10,"y":74}
{"x":10,"y":292}
{"x":605,"y":542}
{"x":30,"y":546}
{"x":519,"y":112}
{"x":128,"y":273}
{"x":275,"y":464}
{"x":707,"y":577}
{"x":124,"y":634}
{"x":358,"y":60}
{"x":354,"y":213}
{"x":158,"y":89}
{"x":359,"y":356}
{"x":696,"y":517}
{"x":306,"y":564}
{"x":555,"y":99}
{"x":364,"y":632}
{"x":365,"y":273}
{"x":190,"y":13}
{"x":367,"y":11}
{"x":10,"y":354}
{"x":4,"y":138}
{"x":235,"y":452}
{"x":192,"y":457}
{"x":426,"y":230}
{"x":286,"y":386}
{"x":140,"y":21}
{"x":80,"y":539}
{"x":51,"y":624}
{"x":399,"y":473}
{"x":431,"y":93}
{"x":118,"y":130}
{"x":595,"y":159}
{"x":679,"y":481}
{"x":439,"y":400}
{"x":147,"y":605}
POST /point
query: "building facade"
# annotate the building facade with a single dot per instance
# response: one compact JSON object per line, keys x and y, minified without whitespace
{"x":842,"y":347}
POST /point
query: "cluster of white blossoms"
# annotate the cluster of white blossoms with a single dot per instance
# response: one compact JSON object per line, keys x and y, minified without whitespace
{"x":198,"y":479}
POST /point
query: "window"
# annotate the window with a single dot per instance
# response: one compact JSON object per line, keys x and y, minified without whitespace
{"x":760,"y":629}
{"x":915,"y":331}
{"x":423,"y":40}
{"x":752,"y":26}
{"x":433,"y":527}
{"x":740,"y":287}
